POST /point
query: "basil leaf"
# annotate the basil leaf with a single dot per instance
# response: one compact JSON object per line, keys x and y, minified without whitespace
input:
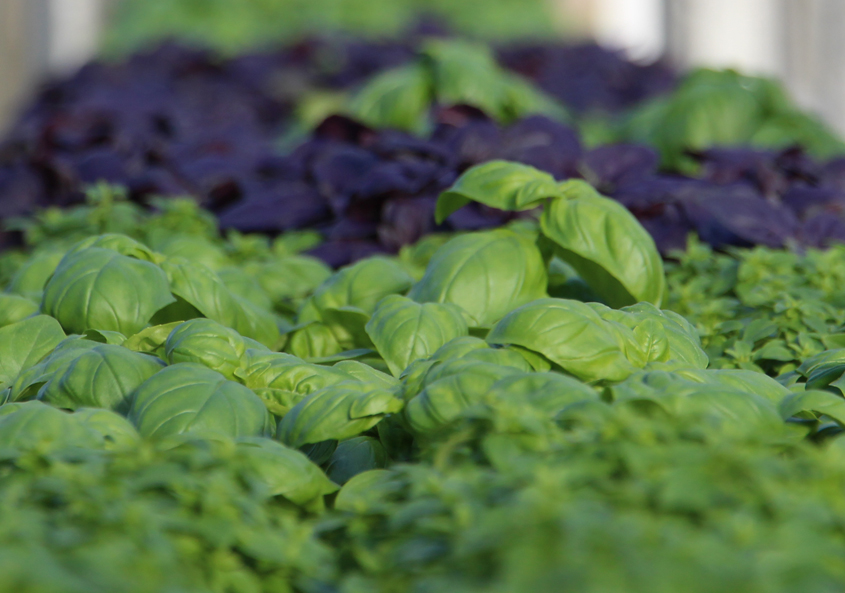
{"x":354,"y":456}
{"x":190,"y":398}
{"x":486,"y":274}
{"x":202,"y":288}
{"x":14,"y":308}
{"x":398,"y":98}
{"x":337,"y":412}
{"x":207,"y":342}
{"x":404,"y":331}
{"x":570,"y":334}
{"x":25,"y":343}
{"x":499,"y":184}
{"x":98,"y":288}
{"x":283,"y":471}
{"x":103,"y":377}
{"x":605,"y":244}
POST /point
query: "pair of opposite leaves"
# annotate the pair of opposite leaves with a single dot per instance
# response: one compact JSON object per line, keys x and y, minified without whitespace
{"x":597,"y":236}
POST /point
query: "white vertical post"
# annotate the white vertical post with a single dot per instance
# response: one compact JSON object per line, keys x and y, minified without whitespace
{"x":741,"y":34}
{"x":636,"y":26}
{"x":23,"y":55}
{"x":813,"y":68}
{"x":75,"y":27}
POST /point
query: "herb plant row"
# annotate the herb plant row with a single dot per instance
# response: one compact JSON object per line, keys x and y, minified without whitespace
{"x":497,"y":410}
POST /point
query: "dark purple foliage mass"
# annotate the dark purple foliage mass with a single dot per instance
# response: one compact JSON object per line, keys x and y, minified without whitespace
{"x":588,"y":77}
{"x":178,"y":121}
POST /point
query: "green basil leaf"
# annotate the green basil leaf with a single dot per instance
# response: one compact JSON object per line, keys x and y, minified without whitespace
{"x":25,"y":343}
{"x":97,"y":288}
{"x":283,"y":471}
{"x":119,"y":244}
{"x":118,"y":433}
{"x":104,"y":337}
{"x":37,"y":426}
{"x":30,"y":279}
{"x":818,"y":402}
{"x":315,"y":340}
{"x":203,"y":289}
{"x":207,"y":342}
{"x":605,"y":244}
{"x":359,"y":286}
{"x":291,"y":278}
{"x":354,"y":456}
{"x":499,"y":184}
{"x":454,"y":387}
{"x":571,"y":334}
{"x":549,"y":392}
{"x":190,"y":398}
{"x":399,"y":98}
{"x":740,"y":380}
{"x":337,"y":412}
{"x":369,"y":491}
{"x":403,"y":330}
{"x":282,"y":380}
{"x":151,"y":340}
{"x":486,"y":274}
{"x":30,"y":380}
{"x":103,"y":377}
{"x":14,"y":308}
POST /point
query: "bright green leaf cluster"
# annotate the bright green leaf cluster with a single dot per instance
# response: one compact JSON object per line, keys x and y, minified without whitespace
{"x":724,"y":108}
{"x":448,"y":72}
{"x":503,"y":410}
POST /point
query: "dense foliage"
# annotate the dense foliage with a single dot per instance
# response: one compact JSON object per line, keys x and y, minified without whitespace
{"x":759,"y":308}
{"x":725,"y":108}
{"x":186,"y":122}
{"x":497,"y":410}
{"x":238,"y":25}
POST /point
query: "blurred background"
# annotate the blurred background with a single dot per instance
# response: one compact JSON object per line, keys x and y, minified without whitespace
{"x":797,"y":41}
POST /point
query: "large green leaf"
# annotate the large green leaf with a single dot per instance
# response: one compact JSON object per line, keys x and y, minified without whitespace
{"x":657,"y":335}
{"x":203,"y":289}
{"x":118,"y":433}
{"x":451,"y":389}
{"x":283,"y":471}
{"x":486,"y":274}
{"x":354,"y":456}
{"x":741,"y":380}
{"x":315,"y":340}
{"x":499,"y":184}
{"x":360,"y":286}
{"x":30,"y":380}
{"x":207,"y":342}
{"x":190,"y":398}
{"x":398,"y":98}
{"x":97,"y":288}
{"x":32,"y":276}
{"x":468,"y":73}
{"x":337,"y":412}
{"x":570,"y":334}
{"x":25,"y":343}
{"x":823,"y":368}
{"x":818,"y":402}
{"x":118,"y":243}
{"x":282,"y":380}
{"x":35,"y":425}
{"x":605,"y":244}
{"x":340,"y":308}
{"x":290,"y":278}
{"x":403,"y":330}
{"x":14,"y":308}
{"x":151,"y":340}
{"x":550,"y":392}
{"x":103,"y":377}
